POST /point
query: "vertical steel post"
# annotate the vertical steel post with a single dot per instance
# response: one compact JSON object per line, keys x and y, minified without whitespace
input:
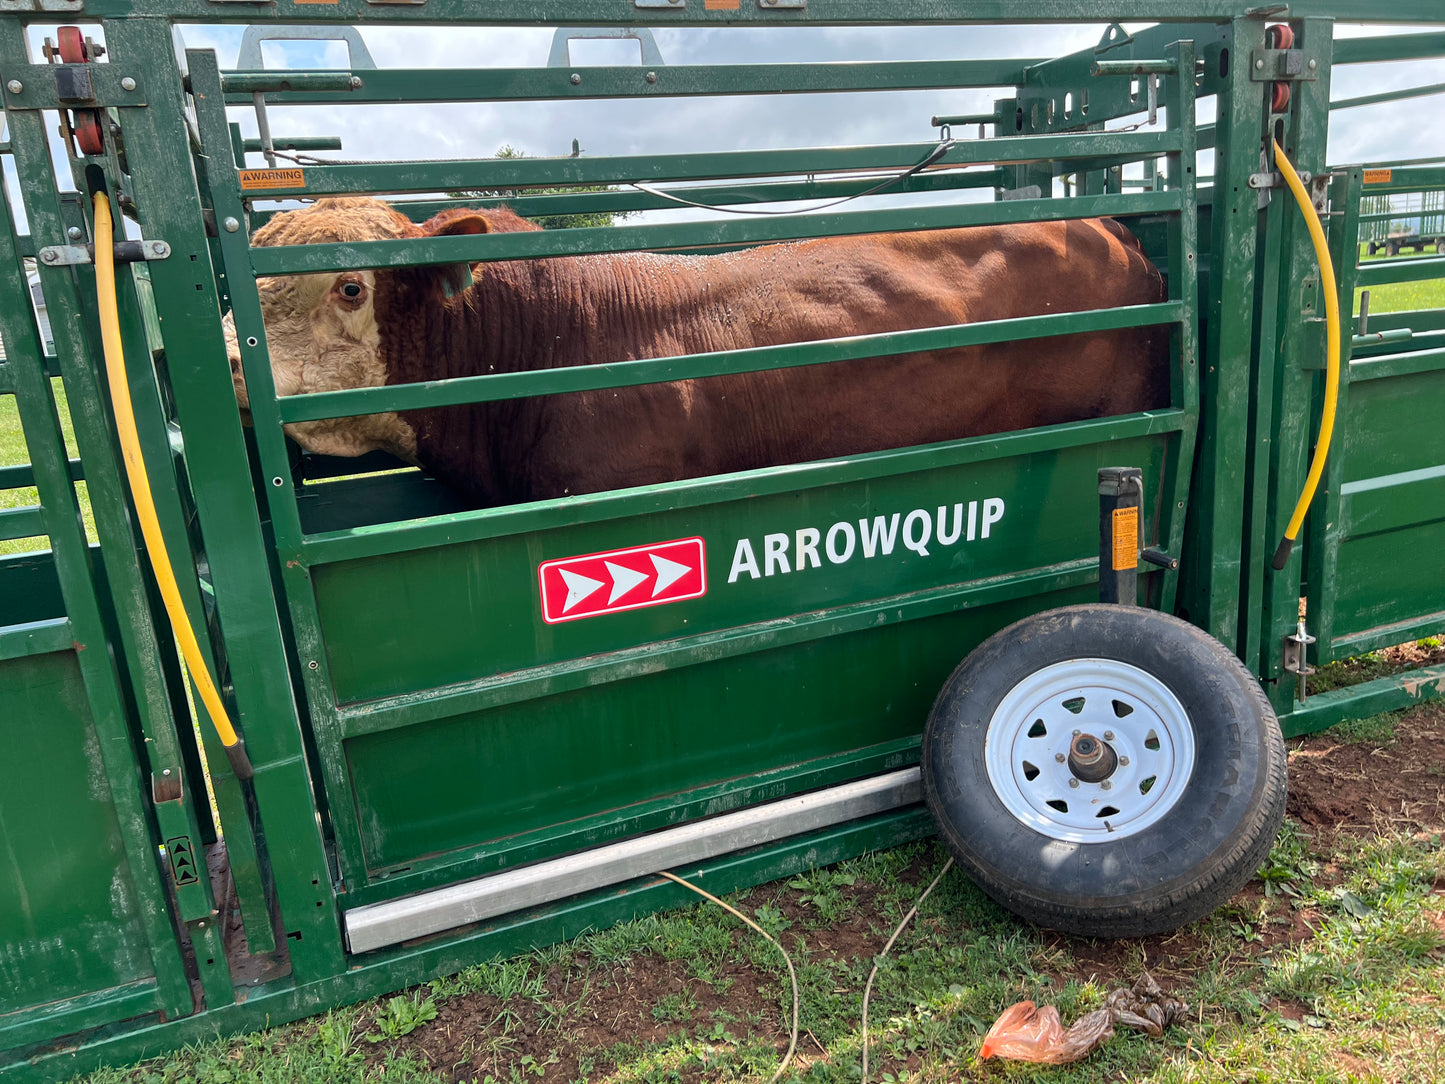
{"x":1121,"y":492}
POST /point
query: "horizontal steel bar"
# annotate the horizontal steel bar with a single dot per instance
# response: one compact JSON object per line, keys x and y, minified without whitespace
{"x":1391,"y":501}
{"x":1389,"y":96}
{"x":377,"y":925}
{"x":1406,"y":364}
{"x":309,"y":259}
{"x":1133,"y":67}
{"x":1368,"y":698}
{"x":25,"y":522}
{"x":392,"y":713}
{"x":1388,"y":47}
{"x":499,"y":386}
{"x":697,"y":13}
{"x":1383,"y":272}
{"x":296,"y":143}
{"x":243,"y":84}
{"x":22,"y":475}
{"x":1378,"y":338}
{"x":1397,"y":632}
{"x":1392,"y":179}
{"x":446,"y":85}
{"x":355,"y":542}
{"x":490,"y":173}
{"x":74,"y":1015}
{"x":36,"y":638}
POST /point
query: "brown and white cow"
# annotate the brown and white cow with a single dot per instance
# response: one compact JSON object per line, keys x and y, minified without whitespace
{"x":372,"y":328}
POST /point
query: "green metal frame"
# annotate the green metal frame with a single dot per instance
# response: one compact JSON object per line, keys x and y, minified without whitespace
{"x":353,"y":733}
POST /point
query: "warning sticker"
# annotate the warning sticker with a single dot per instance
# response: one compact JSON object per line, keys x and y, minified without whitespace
{"x":721,"y":5}
{"x":1126,"y":538}
{"x":1378,"y":176}
{"x":604,"y":583}
{"x":272,"y":178}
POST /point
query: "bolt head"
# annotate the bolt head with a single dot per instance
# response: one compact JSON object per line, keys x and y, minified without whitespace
{"x":15,"y":86}
{"x":49,"y":257}
{"x":1108,"y":735}
{"x":1124,"y":762}
{"x":576,"y":79}
{"x":1107,"y":785}
{"x":127,"y":83}
{"x":231,"y":225}
{"x":165,"y":771}
{"x":1060,"y":757}
{"x":1313,"y":64}
{"x":1077,"y":733}
{"x":75,"y":233}
{"x":651,"y":77}
{"x":1259,"y":64}
{"x":1074,"y":784}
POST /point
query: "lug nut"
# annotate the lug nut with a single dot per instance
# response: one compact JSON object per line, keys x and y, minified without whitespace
{"x":1060,"y":757}
{"x":1074,"y":783}
{"x":1124,"y":762}
{"x":1106,"y":785}
{"x":1108,"y":735}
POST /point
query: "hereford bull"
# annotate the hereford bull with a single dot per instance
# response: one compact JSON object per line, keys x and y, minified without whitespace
{"x":371,"y":328}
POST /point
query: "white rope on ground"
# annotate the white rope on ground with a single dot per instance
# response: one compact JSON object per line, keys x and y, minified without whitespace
{"x":868,"y":989}
{"x":792,"y":974}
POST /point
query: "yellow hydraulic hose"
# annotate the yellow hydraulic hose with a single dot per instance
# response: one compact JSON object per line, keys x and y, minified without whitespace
{"x":1332,"y":355}
{"x":140,"y":489}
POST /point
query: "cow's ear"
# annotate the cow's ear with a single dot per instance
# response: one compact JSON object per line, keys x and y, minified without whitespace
{"x":455,"y":223}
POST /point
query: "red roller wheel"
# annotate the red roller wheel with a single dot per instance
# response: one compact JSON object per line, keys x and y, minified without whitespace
{"x":1279,"y":36}
{"x":89,"y":134}
{"x":72,"y":45}
{"x":1279,"y":98}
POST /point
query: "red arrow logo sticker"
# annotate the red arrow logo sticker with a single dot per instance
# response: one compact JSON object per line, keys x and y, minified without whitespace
{"x":606,"y":583}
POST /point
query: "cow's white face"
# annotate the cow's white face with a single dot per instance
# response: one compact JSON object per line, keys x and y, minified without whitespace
{"x":321,"y":330}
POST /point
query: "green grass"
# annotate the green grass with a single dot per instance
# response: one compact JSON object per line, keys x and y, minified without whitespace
{"x":13,"y":452}
{"x":1360,"y":996}
{"x":1403,"y":296}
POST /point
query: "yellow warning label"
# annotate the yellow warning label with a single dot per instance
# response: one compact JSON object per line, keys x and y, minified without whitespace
{"x":1126,"y":538}
{"x":1378,"y":176}
{"x":272,"y":178}
{"x":721,"y":5}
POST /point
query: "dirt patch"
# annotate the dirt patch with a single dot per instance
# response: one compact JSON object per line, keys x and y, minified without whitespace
{"x":1337,"y":786}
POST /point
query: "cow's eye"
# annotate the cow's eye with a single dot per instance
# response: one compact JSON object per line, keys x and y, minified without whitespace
{"x":351,"y":289}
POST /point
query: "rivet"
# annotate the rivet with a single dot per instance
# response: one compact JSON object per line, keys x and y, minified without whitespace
{"x":15,"y":86}
{"x":127,"y":83}
{"x":1107,"y":785}
{"x":250,"y":340}
{"x":1074,"y":783}
{"x":1124,"y":761}
{"x":75,"y":233}
{"x":165,"y":771}
{"x":277,"y":482}
{"x":1259,"y":64}
{"x":1059,"y":757}
{"x":231,"y":225}
{"x":576,"y":79}
{"x":313,"y":665}
{"x":356,"y":83}
{"x":651,"y":77}
{"x":1313,"y":64}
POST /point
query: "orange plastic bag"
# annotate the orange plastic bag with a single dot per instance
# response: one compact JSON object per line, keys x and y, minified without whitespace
{"x":1026,"y":1032}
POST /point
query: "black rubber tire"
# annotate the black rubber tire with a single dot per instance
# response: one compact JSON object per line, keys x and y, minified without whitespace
{"x":1392,"y":248}
{"x":1194,"y":858}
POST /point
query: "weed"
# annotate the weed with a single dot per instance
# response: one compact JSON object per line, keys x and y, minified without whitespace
{"x":771,"y":919}
{"x":822,"y":890}
{"x":1289,"y":864}
{"x":674,"y":1007}
{"x":1374,"y":729}
{"x":401,"y":1015}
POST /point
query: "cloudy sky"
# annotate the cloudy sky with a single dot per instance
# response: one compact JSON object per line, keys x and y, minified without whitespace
{"x":615,"y":127}
{"x":669,"y":125}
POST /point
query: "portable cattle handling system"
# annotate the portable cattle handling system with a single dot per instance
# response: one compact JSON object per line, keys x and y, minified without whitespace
{"x":432,"y":773}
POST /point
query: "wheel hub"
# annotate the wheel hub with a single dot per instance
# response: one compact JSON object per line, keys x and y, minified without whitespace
{"x":1089,"y":750}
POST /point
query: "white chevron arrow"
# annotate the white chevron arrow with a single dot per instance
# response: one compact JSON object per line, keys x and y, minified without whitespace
{"x":578,"y":587}
{"x":623,"y":580}
{"x":668,"y":573}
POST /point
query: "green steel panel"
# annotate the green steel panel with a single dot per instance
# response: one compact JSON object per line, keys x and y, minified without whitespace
{"x":1393,"y":425}
{"x":1392,"y":501}
{"x":1378,"y":584}
{"x":1383,"y":272}
{"x":35,"y":637}
{"x":1392,"y":365}
{"x":70,"y":915}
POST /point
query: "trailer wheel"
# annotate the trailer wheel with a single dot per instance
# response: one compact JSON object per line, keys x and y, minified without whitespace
{"x":1105,"y":770}
{"x":1440,"y":248}
{"x":1392,"y":248}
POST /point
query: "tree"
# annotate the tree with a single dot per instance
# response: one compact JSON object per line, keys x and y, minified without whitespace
{"x":549,"y":222}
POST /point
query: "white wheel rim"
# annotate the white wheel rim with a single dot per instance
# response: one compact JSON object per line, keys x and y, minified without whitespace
{"x":1026,"y":750}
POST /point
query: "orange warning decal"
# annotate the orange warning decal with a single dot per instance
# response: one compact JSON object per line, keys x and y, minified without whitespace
{"x":272,"y":178}
{"x":1378,"y":176}
{"x":721,"y":5}
{"x":1126,"y":538}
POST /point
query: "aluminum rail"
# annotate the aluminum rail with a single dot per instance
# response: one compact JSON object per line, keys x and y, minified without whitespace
{"x":378,"y":925}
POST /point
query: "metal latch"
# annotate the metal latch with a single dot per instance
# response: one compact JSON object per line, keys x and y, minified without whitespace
{"x":1294,"y":659}
{"x":125,"y":252}
{"x":1276,"y":65}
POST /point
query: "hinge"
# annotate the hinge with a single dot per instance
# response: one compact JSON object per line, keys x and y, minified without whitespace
{"x":125,"y":252}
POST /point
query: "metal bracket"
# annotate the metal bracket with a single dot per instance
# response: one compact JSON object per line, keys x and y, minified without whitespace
{"x":1294,"y":659}
{"x":1282,"y":65}
{"x":1114,"y":37}
{"x":561,"y":57}
{"x":249,"y":57}
{"x":778,"y":5}
{"x":125,"y":252}
{"x":654,"y":4}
